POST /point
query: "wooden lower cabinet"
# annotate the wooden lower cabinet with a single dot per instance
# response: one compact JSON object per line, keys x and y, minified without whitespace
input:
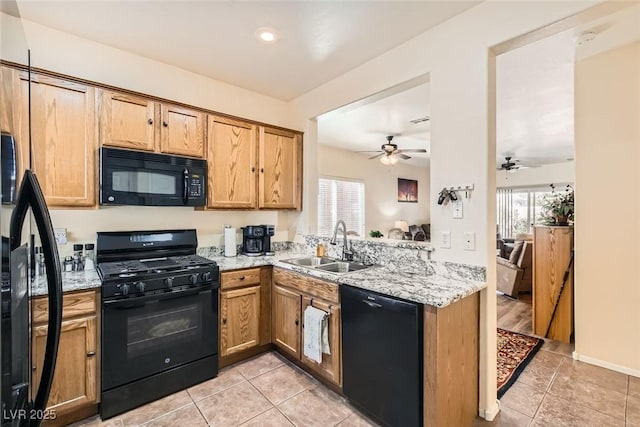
{"x":240,"y":325}
{"x":292,"y":294}
{"x":285,"y":322}
{"x":245,"y":313}
{"x":75,"y":381}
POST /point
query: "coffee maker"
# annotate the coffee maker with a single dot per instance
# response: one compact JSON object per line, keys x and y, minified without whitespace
{"x":256,"y":240}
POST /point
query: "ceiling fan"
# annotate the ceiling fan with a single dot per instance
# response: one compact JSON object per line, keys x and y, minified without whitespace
{"x":510,"y":166}
{"x":389,"y":153}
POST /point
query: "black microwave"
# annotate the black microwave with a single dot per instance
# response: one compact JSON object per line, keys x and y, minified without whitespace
{"x":129,"y":177}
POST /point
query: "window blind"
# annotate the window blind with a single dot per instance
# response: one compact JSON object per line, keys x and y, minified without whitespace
{"x":340,"y":199}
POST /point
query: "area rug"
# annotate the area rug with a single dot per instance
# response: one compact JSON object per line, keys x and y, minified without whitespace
{"x":515,"y":351}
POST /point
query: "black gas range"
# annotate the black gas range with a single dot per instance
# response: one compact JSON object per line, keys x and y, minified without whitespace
{"x":159,"y":316}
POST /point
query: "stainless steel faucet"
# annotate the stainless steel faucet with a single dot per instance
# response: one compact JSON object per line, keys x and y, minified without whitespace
{"x":347,"y":254}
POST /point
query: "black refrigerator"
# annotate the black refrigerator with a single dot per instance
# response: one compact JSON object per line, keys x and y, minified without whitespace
{"x":25,"y":222}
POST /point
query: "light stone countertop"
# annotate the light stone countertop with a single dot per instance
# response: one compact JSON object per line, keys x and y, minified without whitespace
{"x":439,"y":284}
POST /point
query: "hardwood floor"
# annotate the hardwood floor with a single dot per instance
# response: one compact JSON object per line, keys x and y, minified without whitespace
{"x":514,"y":315}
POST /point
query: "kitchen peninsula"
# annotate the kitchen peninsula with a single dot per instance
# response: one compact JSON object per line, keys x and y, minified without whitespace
{"x":447,"y":293}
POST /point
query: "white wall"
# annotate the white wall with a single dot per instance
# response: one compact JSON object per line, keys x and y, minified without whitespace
{"x":457,"y":56}
{"x":607,"y":228}
{"x":64,"y":53}
{"x":542,"y":176}
{"x":381,"y":187}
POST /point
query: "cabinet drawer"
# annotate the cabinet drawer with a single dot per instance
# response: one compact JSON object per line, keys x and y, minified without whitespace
{"x":73,"y":304}
{"x":239,"y":278}
{"x":313,"y":287}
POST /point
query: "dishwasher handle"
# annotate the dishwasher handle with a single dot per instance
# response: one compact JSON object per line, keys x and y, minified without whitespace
{"x":372,"y":304}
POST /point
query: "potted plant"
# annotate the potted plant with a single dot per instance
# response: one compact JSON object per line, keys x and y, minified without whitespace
{"x":558,"y":207}
{"x":375,"y":233}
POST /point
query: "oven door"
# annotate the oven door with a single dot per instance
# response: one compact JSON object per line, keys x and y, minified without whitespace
{"x":150,"y":334}
{"x":147,"y":179}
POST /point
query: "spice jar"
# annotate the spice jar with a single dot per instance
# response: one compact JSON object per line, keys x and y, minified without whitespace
{"x":89,"y":257}
{"x":78,"y":262}
{"x":67,"y":265}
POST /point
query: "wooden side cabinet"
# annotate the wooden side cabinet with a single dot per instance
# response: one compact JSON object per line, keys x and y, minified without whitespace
{"x":127,"y":121}
{"x":232,"y":149}
{"x":292,"y":294}
{"x":245,"y":309}
{"x":280,"y":163}
{"x":64,"y":138}
{"x":75,"y":382}
{"x":552,"y":248}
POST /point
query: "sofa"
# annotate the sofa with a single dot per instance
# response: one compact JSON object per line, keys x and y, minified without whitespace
{"x":515,"y":273}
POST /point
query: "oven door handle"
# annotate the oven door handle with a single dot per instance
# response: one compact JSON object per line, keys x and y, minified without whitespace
{"x":185,"y":186}
{"x":137,"y":302}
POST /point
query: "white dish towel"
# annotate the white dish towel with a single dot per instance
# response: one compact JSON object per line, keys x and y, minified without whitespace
{"x":316,"y":333}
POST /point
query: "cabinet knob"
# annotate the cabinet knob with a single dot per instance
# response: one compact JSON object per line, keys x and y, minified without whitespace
{"x":261,"y":170}
{"x":33,"y":368}
{"x":297,"y":322}
{"x":241,"y":277}
{"x":165,"y":124}
{"x":224,"y":321}
{"x":253,"y":169}
{"x":150,"y":121}
{"x":91,"y":354}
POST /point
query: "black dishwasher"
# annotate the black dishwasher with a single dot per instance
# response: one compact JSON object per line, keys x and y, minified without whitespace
{"x":382,"y":356}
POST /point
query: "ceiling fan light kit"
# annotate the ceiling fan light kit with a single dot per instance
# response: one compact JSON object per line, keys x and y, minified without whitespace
{"x":389,"y":153}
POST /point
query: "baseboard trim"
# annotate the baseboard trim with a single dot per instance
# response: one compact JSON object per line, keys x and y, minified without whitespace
{"x":607,"y":365}
{"x":491,"y":413}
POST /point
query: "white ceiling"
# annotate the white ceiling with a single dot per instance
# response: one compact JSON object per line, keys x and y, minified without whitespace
{"x":366,"y":127}
{"x":319,"y":40}
{"x":534,"y":100}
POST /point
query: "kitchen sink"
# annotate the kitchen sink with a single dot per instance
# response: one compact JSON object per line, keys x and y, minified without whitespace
{"x":311,"y":261}
{"x":342,"y":267}
{"x":330,"y":265}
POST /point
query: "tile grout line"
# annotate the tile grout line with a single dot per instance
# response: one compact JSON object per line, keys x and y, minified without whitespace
{"x":198,"y":408}
{"x":626,"y":400}
{"x":166,"y":413}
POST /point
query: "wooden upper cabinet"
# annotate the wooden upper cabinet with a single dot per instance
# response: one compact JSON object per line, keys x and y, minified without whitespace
{"x":13,"y":117}
{"x":280,"y":181}
{"x":232,"y":163}
{"x":64,"y":139}
{"x":285,"y":323}
{"x":182,"y":131}
{"x":127,"y":121}
{"x":240,"y":314}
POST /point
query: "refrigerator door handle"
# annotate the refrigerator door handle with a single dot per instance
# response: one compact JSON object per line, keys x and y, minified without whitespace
{"x":30,"y":195}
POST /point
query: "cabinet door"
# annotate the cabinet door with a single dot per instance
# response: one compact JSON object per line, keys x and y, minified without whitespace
{"x":330,"y":368}
{"x":182,"y":131}
{"x":75,"y":378}
{"x":64,"y":139}
{"x":13,"y":117}
{"x":240,"y":313}
{"x":285,"y":324}
{"x":127,"y":121}
{"x":280,"y":169}
{"x":232,"y":163}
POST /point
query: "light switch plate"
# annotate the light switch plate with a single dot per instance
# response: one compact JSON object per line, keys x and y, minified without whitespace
{"x":60,"y":235}
{"x":469,"y":241}
{"x":445,"y":239}
{"x":457,"y":209}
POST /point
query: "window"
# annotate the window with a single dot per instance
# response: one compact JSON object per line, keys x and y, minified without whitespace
{"x":340,"y":199}
{"x":518,"y":209}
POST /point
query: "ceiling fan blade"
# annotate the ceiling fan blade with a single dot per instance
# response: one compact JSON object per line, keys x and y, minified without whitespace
{"x":412,"y":150}
{"x":402,"y":156}
{"x":369,"y":151}
{"x":377,"y":155}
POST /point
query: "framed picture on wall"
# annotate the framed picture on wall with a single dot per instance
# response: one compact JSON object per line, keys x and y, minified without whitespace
{"x":407,"y":190}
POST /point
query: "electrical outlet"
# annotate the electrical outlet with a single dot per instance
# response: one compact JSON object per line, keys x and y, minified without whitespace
{"x":60,"y":235}
{"x":445,"y":239}
{"x":469,"y":241}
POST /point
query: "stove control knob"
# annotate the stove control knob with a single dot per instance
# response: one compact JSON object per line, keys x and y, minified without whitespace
{"x":140,"y":286}
{"x":193,"y":278}
{"x":168,"y":282}
{"x":206,"y":276}
{"x":125,"y":288}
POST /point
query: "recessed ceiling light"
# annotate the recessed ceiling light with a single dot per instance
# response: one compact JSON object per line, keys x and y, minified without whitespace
{"x":267,"y":35}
